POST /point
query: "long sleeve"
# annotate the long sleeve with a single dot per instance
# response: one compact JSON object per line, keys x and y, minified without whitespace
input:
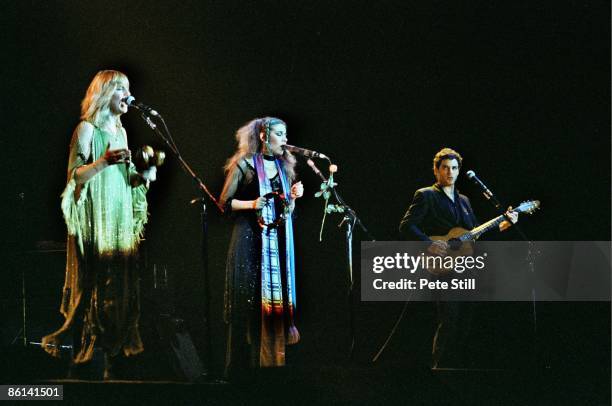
{"x":232,"y":181}
{"x":80,"y":147}
{"x":73,"y":196}
{"x":409,"y":226}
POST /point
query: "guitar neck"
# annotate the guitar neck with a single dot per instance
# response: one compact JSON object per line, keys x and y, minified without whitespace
{"x":483,"y":228}
{"x":525,"y":207}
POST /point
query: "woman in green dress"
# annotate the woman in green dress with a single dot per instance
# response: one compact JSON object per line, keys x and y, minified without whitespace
{"x":105,"y":208}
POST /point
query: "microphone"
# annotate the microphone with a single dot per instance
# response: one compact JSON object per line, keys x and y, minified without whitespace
{"x":304,"y":152}
{"x":485,"y":190}
{"x":131,"y":101}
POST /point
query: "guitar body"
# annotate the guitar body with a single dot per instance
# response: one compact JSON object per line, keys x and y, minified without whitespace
{"x":454,"y":232}
{"x":456,"y":248}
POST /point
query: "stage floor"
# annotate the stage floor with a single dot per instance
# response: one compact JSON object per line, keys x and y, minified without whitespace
{"x":355,"y":384}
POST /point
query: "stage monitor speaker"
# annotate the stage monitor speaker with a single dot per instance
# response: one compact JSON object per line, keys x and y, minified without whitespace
{"x":181,"y":352}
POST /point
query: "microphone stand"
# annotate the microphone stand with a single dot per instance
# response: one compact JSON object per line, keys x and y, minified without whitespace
{"x":22,"y":334}
{"x":531,"y":257}
{"x":167,"y":138}
{"x":350,"y":220}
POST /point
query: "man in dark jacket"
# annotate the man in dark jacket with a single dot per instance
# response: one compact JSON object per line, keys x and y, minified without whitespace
{"x":435,"y":210}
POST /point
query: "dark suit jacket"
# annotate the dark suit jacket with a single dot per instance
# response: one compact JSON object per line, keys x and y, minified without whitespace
{"x":432,"y":212}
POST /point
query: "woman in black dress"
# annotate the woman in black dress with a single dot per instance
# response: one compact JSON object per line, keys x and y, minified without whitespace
{"x":260,"y":279}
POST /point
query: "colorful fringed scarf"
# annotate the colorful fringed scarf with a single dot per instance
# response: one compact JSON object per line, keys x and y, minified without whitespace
{"x":272,"y":351}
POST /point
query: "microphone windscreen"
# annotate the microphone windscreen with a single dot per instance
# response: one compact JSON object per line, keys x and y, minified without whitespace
{"x":128,"y":100}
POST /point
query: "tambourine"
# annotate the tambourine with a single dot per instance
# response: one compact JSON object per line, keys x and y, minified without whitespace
{"x":281,"y":208}
{"x":147,"y":157}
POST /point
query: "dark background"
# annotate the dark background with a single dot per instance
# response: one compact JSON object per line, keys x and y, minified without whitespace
{"x":522,"y":90}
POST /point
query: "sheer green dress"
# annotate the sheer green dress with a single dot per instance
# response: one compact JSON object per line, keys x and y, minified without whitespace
{"x":105,"y":219}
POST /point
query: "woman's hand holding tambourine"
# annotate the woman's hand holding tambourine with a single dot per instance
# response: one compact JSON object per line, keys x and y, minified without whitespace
{"x":150,"y":174}
{"x":259,"y":203}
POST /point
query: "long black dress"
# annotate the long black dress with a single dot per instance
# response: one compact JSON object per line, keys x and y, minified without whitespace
{"x":243,"y":274}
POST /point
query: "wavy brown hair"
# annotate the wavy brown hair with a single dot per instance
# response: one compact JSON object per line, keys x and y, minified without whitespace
{"x":446,"y":153}
{"x":249,"y":144}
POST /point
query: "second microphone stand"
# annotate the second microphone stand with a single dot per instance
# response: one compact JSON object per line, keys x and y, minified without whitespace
{"x":532,"y":254}
{"x":169,"y":141}
{"x":349,"y":220}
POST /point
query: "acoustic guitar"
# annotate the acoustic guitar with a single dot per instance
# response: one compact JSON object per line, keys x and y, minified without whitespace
{"x":461,"y":241}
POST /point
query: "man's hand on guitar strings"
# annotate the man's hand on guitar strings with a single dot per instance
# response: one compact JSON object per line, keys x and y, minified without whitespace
{"x":438,"y":247}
